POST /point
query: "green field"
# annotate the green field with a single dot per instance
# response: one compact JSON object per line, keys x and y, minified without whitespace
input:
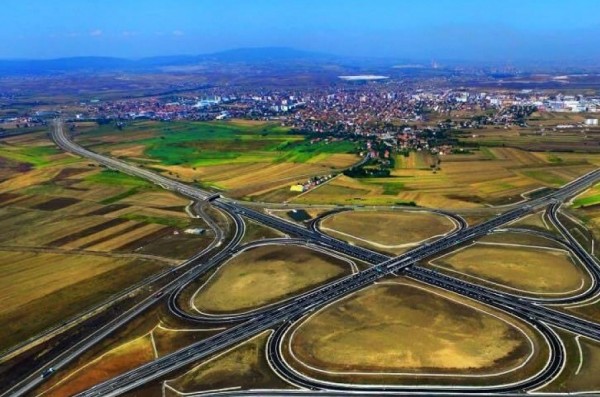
{"x":248,"y":159}
{"x":109,"y":177}
{"x":37,"y":156}
{"x":200,"y":144}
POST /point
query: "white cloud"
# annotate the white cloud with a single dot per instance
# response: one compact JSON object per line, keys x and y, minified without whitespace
{"x":127,"y":33}
{"x":96,"y":32}
{"x":178,"y":33}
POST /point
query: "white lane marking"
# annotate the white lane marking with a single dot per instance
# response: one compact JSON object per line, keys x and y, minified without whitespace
{"x":153,"y":343}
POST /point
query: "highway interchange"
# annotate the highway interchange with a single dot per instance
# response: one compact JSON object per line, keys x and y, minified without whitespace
{"x":280,"y":316}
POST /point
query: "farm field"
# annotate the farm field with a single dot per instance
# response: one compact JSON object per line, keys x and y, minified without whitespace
{"x":518,"y":268}
{"x":259,"y":161}
{"x":364,"y":333}
{"x":246,"y":159}
{"x":61,"y":215}
{"x":489,"y":176}
{"x":542,"y":134}
{"x":243,"y":366}
{"x":393,"y":231}
{"x":265,"y":275}
{"x":67,"y":283}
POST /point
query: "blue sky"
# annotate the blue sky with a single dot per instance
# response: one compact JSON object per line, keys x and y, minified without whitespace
{"x":423,"y":29}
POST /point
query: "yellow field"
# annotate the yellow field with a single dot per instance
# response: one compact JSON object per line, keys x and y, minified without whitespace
{"x":390,"y":230}
{"x":533,"y":270}
{"x":126,"y":238}
{"x":265,"y":275}
{"x":26,"y":276}
{"x":130,"y":151}
{"x":400,"y":328}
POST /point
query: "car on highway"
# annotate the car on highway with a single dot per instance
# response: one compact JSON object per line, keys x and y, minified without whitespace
{"x":48,"y":372}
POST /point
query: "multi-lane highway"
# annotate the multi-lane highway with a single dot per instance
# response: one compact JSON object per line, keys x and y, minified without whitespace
{"x":317,"y":298}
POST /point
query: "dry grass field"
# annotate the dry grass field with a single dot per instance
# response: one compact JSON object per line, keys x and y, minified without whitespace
{"x":401,"y":328}
{"x":393,"y":231}
{"x":264,"y":275}
{"x":243,"y":366}
{"x":123,"y":358}
{"x":587,"y":378}
{"x":526,"y":269}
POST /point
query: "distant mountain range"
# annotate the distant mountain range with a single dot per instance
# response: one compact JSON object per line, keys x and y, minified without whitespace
{"x":106,"y":64}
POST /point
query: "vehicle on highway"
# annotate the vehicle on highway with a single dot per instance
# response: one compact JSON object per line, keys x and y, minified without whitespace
{"x":48,"y":372}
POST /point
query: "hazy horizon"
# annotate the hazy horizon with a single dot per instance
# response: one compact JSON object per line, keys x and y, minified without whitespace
{"x":551,"y":30}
